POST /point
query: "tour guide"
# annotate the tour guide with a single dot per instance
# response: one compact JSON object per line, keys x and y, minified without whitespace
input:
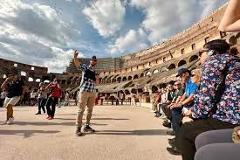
{"x":87,"y":92}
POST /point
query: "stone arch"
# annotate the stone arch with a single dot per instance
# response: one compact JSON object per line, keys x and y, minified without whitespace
{"x":124,"y":79}
{"x":38,"y":80}
{"x":181,"y":63}
{"x":171,"y":66}
{"x":155,"y":71}
{"x":193,"y":58}
{"x":164,"y":69}
{"x":114,"y":80}
{"x":100,"y":80}
{"x":148,"y":73}
{"x":23,"y":73}
{"x":129,"y":78}
{"x":30,"y":79}
{"x":127,"y":92}
{"x":154,"y":89}
{"x":104,"y":79}
{"x":135,"y":76}
{"x":134,"y":90}
{"x":119,"y":79}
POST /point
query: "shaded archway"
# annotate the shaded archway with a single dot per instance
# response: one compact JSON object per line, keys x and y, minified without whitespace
{"x":114,"y":80}
{"x":134,"y":90}
{"x":154,"y":89}
{"x":193,"y":58}
{"x":119,"y":79}
{"x":124,"y":79}
{"x":127,"y":92}
{"x":181,"y":63}
{"x":130,"y":78}
{"x":135,"y":76}
{"x":171,"y":66}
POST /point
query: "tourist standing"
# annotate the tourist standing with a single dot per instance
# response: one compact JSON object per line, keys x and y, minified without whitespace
{"x":42,"y":98}
{"x":2,"y":97}
{"x":87,"y":93}
{"x":52,"y":100}
{"x":14,"y":87}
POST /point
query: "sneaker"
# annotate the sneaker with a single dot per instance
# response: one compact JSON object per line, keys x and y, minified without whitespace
{"x":87,"y":128}
{"x":163,"y":116}
{"x":167,"y":124}
{"x":78,"y":131}
{"x":171,"y":133}
{"x":38,"y":113}
{"x":5,"y":122}
{"x":10,"y":121}
{"x":173,"y":151}
{"x":50,"y":118}
{"x":172,"y":142}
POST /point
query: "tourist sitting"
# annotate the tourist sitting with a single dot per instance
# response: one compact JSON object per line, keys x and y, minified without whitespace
{"x":183,"y":105}
{"x":179,"y":91}
{"x":216,"y":104}
{"x":166,"y":99}
{"x":196,"y":75}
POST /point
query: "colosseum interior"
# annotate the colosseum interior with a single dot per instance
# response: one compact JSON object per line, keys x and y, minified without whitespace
{"x":139,"y":72}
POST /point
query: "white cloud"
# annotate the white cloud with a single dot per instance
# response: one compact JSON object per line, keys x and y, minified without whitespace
{"x":132,"y":41}
{"x":106,"y":16}
{"x":165,"y":18}
{"x":34,"y":34}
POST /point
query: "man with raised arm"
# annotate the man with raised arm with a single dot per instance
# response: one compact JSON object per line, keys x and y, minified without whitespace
{"x":87,"y":93}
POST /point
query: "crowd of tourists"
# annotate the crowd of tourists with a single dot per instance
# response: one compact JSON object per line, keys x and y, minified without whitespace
{"x":203,"y":108}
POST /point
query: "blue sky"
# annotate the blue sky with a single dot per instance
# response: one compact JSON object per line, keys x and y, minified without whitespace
{"x":45,"y":32}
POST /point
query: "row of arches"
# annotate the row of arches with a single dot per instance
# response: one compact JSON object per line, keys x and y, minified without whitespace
{"x":118,"y":78}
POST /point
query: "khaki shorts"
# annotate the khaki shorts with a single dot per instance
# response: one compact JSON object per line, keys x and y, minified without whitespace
{"x":13,"y":101}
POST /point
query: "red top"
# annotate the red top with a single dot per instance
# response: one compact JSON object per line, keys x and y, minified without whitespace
{"x":55,"y":90}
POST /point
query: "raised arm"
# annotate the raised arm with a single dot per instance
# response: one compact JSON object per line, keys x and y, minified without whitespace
{"x":4,"y":85}
{"x":231,"y":18}
{"x":75,"y":59}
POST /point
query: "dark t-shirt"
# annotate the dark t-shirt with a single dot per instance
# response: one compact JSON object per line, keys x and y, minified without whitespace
{"x":15,"y":88}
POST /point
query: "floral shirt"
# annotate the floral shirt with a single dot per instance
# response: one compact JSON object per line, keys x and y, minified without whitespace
{"x":228,"y":109}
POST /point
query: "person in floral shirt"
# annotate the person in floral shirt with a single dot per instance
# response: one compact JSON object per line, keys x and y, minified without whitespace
{"x":213,"y":109}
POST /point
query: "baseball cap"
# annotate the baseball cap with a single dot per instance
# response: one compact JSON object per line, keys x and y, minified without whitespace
{"x":94,"y":58}
{"x":181,"y":71}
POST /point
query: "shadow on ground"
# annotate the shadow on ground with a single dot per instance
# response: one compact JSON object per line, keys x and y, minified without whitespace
{"x":26,"y":133}
{"x":151,"y":132}
{"x":53,"y":123}
{"x":113,"y":119}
